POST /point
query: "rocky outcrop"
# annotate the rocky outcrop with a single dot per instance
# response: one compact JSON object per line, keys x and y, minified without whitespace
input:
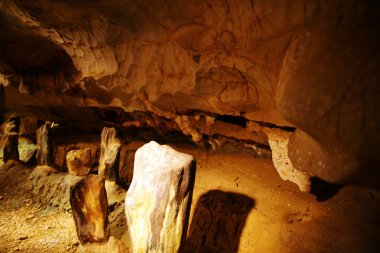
{"x":279,"y":143}
{"x":10,"y":139}
{"x":158,"y":201}
{"x":2,"y":102}
{"x":79,"y":162}
{"x":329,"y":89}
{"x":26,"y":149}
{"x":310,"y":65}
{"x":45,"y":144}
{"x":88,"y":199}
{"x":109,"y":154}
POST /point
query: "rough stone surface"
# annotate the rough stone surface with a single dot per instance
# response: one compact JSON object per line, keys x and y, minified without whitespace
{"x":329,"y":88}
{"x":52,"y":188}
{"x":127,"y":158}
{"x":2,"y":102}
{"x":26,"y":149}
{"x":88,"y":199}
{"x":45,"y":144}
{"x":10,"y":140}
{"x":109,"y":154}
{"x":158,"y":201}
{"x":79,"y":162}
{"x":311,"y":65}
{"x":61,"y":150}
{"x":279,"y":143}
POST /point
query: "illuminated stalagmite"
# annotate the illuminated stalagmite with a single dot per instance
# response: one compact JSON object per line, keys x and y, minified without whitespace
{"x":88,"y":201}
{"x":109,"y":153}
{"x":159,"y":198}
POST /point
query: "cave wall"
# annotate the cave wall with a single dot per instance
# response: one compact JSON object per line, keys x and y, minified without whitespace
{"x":303,"y":66}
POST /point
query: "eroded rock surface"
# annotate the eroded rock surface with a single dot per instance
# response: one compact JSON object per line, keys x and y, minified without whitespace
{"x":79,"y":162}
{"x":311,"y":65}
{"x":279,"y":143}
{"x":45,"y":144}
{"x":109,"y":154}
{"x":88,"y":199}
{"x":10,"y":139}
{"x":158,"y":201}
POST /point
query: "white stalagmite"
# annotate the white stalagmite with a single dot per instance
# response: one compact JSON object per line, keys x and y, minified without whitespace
{"x":159,"y":198}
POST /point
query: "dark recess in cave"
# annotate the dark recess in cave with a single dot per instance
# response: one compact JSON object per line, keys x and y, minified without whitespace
{"x":236,"y":120}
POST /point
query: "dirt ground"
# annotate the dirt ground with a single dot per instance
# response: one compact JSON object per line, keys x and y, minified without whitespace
{"x":240,"y":204}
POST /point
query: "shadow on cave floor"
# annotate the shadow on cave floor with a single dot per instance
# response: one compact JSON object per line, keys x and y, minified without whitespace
{"x":218,"y":221}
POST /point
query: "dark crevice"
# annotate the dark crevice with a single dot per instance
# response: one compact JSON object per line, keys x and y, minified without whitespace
{"x":236,"y":120}
{"x":323,"y":190}
{"x":271,"y":125}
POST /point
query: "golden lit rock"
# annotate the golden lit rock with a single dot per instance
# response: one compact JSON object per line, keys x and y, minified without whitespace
{"x":109,"y":153}
{"x":79,"y":162}
{"x":158,"y":200}
{"x":278,"y":141}
{"x":89,"y":204}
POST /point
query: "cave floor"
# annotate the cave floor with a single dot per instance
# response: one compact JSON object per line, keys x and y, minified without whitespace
{"x":240,"y":204}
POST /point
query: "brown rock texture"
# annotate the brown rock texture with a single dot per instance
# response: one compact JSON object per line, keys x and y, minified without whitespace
{"x":45,"y":144}
{"x":79,"y":162}
{"x":109,"y":154}
{"x":88,"y":199}
{"x":328,"y":88}
{"x":279,"y":143}
{"x":185,"y":65}
{"x":158,"y":201}
{"x":10,"y":139}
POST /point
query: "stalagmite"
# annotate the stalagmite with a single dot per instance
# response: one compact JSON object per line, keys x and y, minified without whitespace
{"x":79,"y":162}
{"x":89,"y":204}
{"x":278,"y":140}
{"x":45,"y":144}
{"x":109,"y":154}
{"x":159,"y":198}
{"x":10,"y":139}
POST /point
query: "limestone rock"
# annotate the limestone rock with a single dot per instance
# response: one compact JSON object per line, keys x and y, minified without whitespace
{"x":45,"y":144}
{"x":26,"y":149}
{"x":89,"y":204}
{"x":2,"y":102}
{"x":10,"y":140}
{"x":127,"y":158}
{"x":109,"y":153}
{"x":158,"y":200}
{"x":79,"y":162}
{"x":278,"y":141}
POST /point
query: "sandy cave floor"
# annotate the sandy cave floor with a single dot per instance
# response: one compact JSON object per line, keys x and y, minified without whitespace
{"x":239,"y":205}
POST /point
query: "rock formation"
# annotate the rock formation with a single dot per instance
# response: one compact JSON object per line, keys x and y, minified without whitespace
{"x":311,"y":66}
{"x":279,"y":143}
{"x":79,"y":162}
{"x":45,"y":144}
{"x":2,"y":102}
{"x":158,"y":200}
{"x":89,"y":204}
{"x":109,"y":154}
{"x":10,"y":139}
